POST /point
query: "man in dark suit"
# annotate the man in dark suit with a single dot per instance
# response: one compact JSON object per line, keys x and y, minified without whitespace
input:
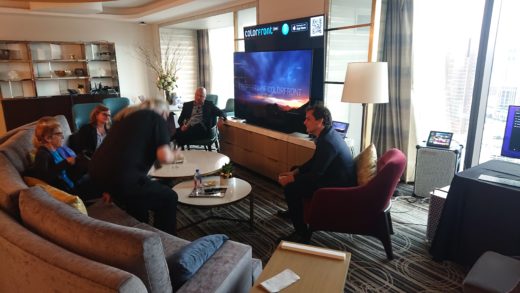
{"x":330,"y":166}
{"x":197,"y":118}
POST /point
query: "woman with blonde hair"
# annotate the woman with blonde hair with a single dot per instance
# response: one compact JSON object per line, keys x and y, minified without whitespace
{"x":53,"y":162}
{"x":138,"y":137}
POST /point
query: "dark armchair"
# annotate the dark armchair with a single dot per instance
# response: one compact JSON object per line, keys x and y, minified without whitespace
{"x":362,"y":209}
{"x":212,"y":98}
{"x":207,"y":142}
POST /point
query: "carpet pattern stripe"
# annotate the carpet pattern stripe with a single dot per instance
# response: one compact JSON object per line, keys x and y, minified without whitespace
{"x":412,"y":269}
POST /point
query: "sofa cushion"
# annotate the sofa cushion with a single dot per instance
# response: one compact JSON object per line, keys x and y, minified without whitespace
{"x":17,"y":149}
{"x":130,"y":249}
{"x":187,"y":261}
{"x":111,"y":213}
{"x":11,"y":184}
{"x":72,"y":200}
{"x":366,"y":165}
{"x":171,"y":244}
{"x":228,"y":270}
{"x":30,"y":263}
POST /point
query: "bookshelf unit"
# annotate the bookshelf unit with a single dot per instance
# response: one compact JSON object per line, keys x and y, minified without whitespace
{"x":40,"y":69}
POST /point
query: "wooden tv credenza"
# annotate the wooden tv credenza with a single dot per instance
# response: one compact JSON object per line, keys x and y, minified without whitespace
{"x":262,"y":150}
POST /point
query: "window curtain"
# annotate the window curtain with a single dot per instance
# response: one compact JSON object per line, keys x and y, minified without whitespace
{"x":391,"y":125}
{"x":204,"y":59}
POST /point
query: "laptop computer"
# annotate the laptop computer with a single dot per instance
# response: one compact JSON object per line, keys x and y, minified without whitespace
{"x":340,"y":127}
{"x":439,"y":139}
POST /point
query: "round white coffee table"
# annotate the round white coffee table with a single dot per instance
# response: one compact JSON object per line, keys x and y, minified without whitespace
{"x":206,"y":162}
{"x":237,"y":190}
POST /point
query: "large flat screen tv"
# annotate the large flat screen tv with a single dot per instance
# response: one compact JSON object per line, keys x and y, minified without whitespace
{"x":511,"y":142}
{"x":272,"y":89}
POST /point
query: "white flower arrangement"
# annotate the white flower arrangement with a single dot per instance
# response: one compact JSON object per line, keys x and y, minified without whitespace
{"x":167,"y":82}
{"x":166,"y":67}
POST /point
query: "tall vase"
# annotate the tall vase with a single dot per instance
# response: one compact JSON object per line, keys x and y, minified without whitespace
{"x":169,"y":97}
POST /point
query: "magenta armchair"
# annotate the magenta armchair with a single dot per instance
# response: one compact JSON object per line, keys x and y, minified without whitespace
{"x":363,"y":209}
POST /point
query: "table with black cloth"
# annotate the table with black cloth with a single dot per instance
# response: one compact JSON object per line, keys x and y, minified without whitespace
{"x":479,"y":215}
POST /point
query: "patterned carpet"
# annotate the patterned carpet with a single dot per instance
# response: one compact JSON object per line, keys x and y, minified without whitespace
{"x":412,"y":269}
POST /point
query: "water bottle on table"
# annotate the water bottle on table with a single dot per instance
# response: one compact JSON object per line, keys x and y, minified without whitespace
{"x":197,"y":183}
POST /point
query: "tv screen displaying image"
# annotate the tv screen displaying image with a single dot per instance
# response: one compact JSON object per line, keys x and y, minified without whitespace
{"x":511,"y":142}
{"x":272,"y":88}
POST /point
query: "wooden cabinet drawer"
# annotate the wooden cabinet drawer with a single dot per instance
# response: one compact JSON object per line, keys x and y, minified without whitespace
{"x":274,"y":148}
{"x":297,"y":154}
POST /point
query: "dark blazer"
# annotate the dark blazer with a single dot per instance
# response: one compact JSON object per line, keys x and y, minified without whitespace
{"x":46,"y":169}
{"x":86,"y":140}
{"x":331,"y":164}
{"x":209,"y":113}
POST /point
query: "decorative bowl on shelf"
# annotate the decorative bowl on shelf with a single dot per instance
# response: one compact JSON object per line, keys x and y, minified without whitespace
{"x":59,"y":73}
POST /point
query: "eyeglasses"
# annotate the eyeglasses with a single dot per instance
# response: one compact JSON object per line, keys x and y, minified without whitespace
{"x":58,"y":134}
{"x":106,"y":114}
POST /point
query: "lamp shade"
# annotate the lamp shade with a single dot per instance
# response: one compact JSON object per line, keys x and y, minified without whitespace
{"x":366,"y":82}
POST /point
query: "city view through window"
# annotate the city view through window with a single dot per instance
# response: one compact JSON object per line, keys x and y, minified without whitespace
{"x":505,"y":80}
{"x":445,"y":55}
{"x":445,"y":50}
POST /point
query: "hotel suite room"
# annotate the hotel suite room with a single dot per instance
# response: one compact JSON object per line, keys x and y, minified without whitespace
{"x":446,"y":73}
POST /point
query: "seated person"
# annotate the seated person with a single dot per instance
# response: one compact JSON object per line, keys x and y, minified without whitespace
{"x":90,"y":136}
{"x":138,"y":137}
{"x":56,"y":164}
{"x":330,"y":166}
{"x":197,"y":118}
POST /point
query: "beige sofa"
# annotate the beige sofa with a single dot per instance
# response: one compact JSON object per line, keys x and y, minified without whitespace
{"x":48,"y":246}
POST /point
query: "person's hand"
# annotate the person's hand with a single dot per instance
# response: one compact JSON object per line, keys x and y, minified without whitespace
{"x":184,"y":127}
{"x":107,"y":198}
{"x":164,"y":154}
{"x":71,"y":160}
{"x":220,"y":123}
{"x":285,"y":179}
{"x":285,"y":173}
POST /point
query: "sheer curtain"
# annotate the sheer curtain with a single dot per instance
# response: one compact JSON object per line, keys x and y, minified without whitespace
{"x":204,"y":59}
{"x":392,"y":121}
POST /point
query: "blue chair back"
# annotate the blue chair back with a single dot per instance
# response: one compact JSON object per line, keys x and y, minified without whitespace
{"x":230,"y":106}
{"x":116,"y":104}
{"x":81,"y":114}
{"x":212,"y":98}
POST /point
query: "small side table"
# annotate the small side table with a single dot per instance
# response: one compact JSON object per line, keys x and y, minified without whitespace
{"x":237,"y":190}
{"x":309,"y":267}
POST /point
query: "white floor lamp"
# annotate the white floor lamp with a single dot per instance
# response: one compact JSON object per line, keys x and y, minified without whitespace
{"x":366,"y":83}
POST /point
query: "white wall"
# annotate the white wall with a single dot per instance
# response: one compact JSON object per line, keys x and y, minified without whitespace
{"x":134,"y":77}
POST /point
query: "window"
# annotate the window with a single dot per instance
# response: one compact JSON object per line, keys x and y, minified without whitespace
{"x":445,"y":48}
{"x":186,"y":42}
{"x":346,"y":44}
{"x":221,"y":35}
{"x":504,"y":82}
{"x":221,"y":56}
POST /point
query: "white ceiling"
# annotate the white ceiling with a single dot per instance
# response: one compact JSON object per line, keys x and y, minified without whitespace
{"x":148,"y":11}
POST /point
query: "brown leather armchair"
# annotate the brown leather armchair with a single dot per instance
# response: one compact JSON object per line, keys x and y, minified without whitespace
{"x":362,"y":209}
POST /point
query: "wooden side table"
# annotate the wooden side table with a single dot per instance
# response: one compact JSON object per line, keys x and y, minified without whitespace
{"x":317,"y":273}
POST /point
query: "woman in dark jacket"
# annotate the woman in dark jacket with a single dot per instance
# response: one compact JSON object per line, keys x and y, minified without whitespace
{"x":90,"y":136}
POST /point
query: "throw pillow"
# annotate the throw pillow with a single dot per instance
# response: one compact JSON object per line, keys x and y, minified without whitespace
{"x":189,"y":259}
{"x":72,"y":200}
{"x":366,"y":165}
